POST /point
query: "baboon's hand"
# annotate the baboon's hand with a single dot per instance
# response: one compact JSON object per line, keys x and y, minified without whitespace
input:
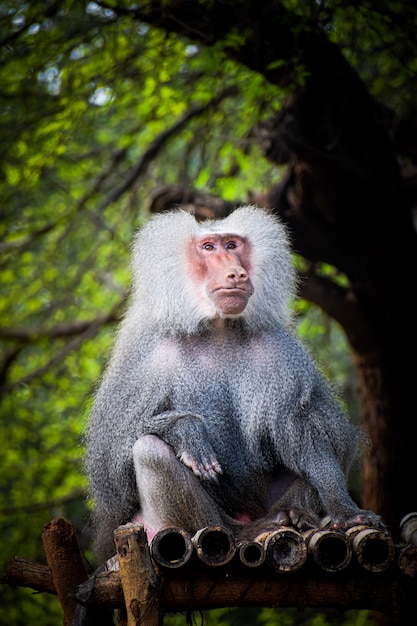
{"x":202,"y":461}
{"x":191,"y":442}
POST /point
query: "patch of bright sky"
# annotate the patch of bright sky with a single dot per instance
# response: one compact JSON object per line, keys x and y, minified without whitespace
{"x":101,"y":96}
{"x":95,"y":9}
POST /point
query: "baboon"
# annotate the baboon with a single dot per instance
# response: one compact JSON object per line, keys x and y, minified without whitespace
{"x":211,"y":411}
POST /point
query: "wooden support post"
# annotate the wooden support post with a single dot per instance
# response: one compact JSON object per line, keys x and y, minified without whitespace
{"x":66,"y":562}
{"x":141,"y":584}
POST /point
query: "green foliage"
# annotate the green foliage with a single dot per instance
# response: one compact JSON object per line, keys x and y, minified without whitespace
{"x":270,"y":617}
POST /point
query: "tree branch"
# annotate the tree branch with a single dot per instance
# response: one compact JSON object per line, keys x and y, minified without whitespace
{"x":339,"y":303}
{"x":67,"y":329}
{"x":159,"y":143}
{"x":89,"y":331}
{"x":42,"y":506}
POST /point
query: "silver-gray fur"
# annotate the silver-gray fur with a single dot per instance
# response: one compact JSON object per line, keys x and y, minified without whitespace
{"x":193,"y":424}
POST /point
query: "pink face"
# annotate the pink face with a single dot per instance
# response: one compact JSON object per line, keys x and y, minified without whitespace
{"x":221,"y":262}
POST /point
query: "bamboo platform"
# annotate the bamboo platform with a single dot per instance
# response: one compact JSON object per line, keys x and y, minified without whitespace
{"x":362,"y":568}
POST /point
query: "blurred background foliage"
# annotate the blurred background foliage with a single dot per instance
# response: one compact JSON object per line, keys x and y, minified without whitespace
{"x":98,"y":110}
